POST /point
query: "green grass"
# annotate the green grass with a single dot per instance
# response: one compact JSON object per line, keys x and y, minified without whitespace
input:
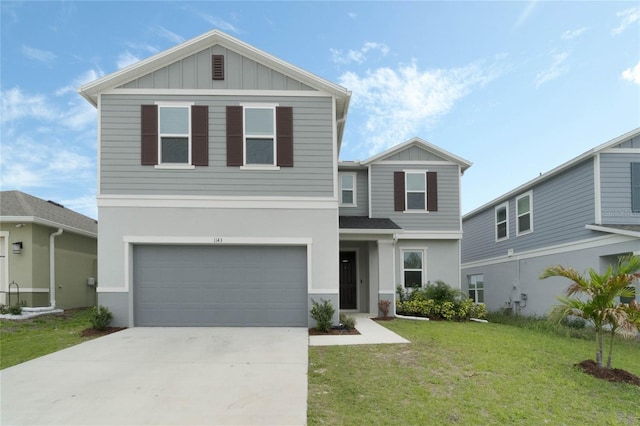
{"x":23,"y":340}
{"x":469,"y":374}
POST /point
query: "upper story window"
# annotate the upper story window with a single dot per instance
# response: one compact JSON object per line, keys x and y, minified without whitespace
{"x":635,"y":187}
{"x":415,"y":191}
{"x":502,"y":221}
{"x":174,"y":135}
{"x":524,"y":204}
{"x":348,"y":189}
{"x":412,"y":268}
{"x":259,"y":135}
{"x":476,"y":287}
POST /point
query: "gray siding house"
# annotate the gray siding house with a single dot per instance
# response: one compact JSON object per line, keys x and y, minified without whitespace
{"x":584,"y":214}
{"x":222,"y":201}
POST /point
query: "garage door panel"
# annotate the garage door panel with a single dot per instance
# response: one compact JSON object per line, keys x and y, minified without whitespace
{"x":220,"y":286}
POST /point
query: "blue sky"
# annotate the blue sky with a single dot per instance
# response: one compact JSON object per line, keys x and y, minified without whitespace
{"x":516,"y":87}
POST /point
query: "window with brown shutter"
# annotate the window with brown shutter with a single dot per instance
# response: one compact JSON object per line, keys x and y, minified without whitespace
{"x":284,"y":135}
{"x":217,"y":67}
{"x":398,"y":191}
{"x":432,"y":191}
{"x":200,"y":135}
{"x":234,"y":136}
{"x":149,"y":137}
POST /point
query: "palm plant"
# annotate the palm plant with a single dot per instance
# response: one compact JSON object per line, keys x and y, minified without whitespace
{"x":599,"y":307}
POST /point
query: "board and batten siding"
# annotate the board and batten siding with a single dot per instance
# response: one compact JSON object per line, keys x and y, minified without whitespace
{"x":121,"y":172}
{"x":447,"y":218}
{"x":194,"y":72}
{"x":561,"y":207}
{"x":362,"y":195}
{"x":615,"y":188}
{"x":414,"y":153}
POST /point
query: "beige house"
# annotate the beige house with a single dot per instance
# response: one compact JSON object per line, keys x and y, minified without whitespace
{"x":47,"y":253}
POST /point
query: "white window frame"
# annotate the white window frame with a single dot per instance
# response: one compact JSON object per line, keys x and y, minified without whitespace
{"x":272,"y":107}
{"x":353,"y":189}
{"x":530,"y":212}
{"x":423,"y":271}
{"x":188,"y":164}
{"x":504,"y":205}
{"x":406,"y":191}
{"x":475,"y":287}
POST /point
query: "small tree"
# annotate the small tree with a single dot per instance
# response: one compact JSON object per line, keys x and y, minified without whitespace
{"x":600,"y":308}
{"x":323,"y":314}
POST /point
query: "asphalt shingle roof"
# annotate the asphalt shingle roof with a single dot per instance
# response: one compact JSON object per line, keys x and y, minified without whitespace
{"x":364,"y":222}
{"x":17,"y":204}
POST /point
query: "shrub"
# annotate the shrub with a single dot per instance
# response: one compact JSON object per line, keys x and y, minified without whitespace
{"x":479,"y":311}
{"x":384,"y":306}
{"x":15,"y":310}
{"x":347,"y":321}
{"x":101,"y":317}
{"x":449,"y":304}
{"x":323,"y":314}
{"x":441,"y":292}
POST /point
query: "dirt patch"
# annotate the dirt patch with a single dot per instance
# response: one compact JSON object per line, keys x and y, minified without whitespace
{"x":92,"y":332}
{"x":383,"y":319}
{"x":335,"y":331}
{"x":616,"y":375}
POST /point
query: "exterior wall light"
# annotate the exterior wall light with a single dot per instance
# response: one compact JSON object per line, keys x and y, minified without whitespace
{"x":17,"y":247}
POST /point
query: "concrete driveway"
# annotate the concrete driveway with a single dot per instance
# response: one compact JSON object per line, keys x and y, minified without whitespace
{"x":165,"y":376}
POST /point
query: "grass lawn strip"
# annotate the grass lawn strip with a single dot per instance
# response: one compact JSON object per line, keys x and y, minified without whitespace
{"x":468,"y":373}
{"x":27,"y":339}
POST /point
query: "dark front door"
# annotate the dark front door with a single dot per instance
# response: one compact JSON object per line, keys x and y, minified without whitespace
{"x":348,"y":280}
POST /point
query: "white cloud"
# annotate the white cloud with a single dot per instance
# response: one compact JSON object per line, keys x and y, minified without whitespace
{"x":398,"y":102}
{"x":84,"y":78}
{"x":557,"y":68}
{"x":85,"y":205}
{"x":218,"y":22}
{"x":629,"y":16}
{"x":17,"y":105}
{"x":525,"y":14}
{"x":571,"y":34}
{"x":358,"y":56}
{"x":169,"y":35}
{"x":125,"y":59}
{"x":632,"y":74}
{"x":37,"y":54}
{"x":352,"y":15}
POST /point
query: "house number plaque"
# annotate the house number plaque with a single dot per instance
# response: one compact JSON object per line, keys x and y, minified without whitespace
{"x":217,"y":240}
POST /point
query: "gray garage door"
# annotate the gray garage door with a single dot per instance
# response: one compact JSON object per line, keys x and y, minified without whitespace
{"x":175,"y":285}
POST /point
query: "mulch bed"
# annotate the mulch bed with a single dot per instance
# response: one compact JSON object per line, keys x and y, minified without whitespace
{"x":616,"y":375}
{"x":383,"y":319}
{"x":92,"y":332}
{"x":335,"y":331}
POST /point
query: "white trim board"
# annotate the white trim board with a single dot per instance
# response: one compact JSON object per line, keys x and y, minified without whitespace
{"x":240,"y":202}
{"x":551,"y":250}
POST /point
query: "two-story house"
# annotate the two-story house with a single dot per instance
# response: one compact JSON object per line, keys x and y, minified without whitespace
{"x":222,"y":202}
{"x":583,"y":214}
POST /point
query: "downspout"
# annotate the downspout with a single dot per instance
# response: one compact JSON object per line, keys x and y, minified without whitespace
{"x":52,"y":268}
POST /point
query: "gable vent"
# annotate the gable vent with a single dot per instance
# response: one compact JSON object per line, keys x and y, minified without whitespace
{"x":217,"y":67}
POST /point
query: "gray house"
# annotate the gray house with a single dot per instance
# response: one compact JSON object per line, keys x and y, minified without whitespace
{"x":222,"y":201}
{"x":47,"y":253}
{"x":584,"y":214}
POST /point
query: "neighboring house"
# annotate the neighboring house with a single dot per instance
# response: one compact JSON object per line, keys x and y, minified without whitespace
{"x":48,"y":250}
{"x":222,"y":202}
{"x":583,"y":214}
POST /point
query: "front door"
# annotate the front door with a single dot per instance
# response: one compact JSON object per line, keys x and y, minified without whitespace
{"x":348,"y":280}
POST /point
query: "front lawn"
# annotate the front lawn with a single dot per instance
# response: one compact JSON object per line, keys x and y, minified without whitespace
{"x":469,"y":374}
{"x":23,"y":340}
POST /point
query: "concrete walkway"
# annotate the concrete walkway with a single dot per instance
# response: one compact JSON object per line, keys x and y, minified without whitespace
{"x":165,"y":376}
{"x":371,"y":333}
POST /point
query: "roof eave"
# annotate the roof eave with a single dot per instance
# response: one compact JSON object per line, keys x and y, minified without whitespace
{"x":464,"y":164}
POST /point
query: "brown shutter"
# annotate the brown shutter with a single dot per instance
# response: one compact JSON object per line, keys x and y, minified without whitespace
{"x":284,"y":136}
{"x":432,"y":191}
{"x":234,"y":135}
{"x":200,"y":135}
{"x":149,"y":139}
{"x":217,"y":67}
{"x":398,"y":191}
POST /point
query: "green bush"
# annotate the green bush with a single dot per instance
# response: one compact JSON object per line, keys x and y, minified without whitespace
{"x":323,"y":314}
{"x":347,"y":321}
{"x":101,"y":317}
{"x":440,"y":302}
